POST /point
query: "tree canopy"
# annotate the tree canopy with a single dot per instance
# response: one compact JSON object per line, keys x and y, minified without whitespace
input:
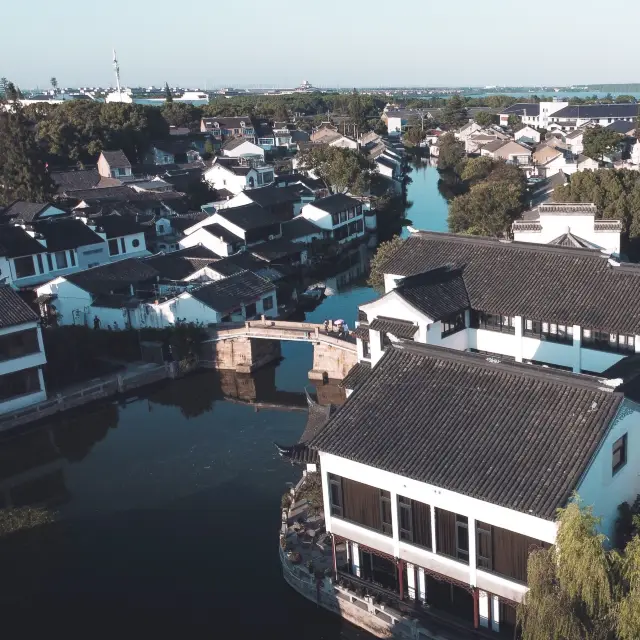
{"x":340,"y":169}
{"x":451,"y":153}
{"x":578,"y":588}
{"x":599,"y":142}
{"x":23,"y":172}
{"x":486,"y":119}
{"x":167,"y":93}
{"x":454,"y":113}
{"x":383,"y":253}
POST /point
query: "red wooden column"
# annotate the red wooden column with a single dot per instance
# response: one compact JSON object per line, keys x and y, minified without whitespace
{"x":335,"y":559}
{"x":476,"y":608}
{"x":401,"y":578}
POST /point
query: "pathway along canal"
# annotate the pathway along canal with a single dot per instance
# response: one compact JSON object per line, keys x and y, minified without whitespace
{"x":168,"y":502}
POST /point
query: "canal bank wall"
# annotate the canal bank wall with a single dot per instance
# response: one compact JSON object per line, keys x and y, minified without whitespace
{"x":132,"y":378}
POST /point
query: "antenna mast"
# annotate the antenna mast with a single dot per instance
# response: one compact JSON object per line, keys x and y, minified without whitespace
{"x":116,"y":68}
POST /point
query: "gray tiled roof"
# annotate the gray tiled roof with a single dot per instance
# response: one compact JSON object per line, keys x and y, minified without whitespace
{"x":67,"y":233}
{"x":13,"y":309}
{"x":117,"y":159}
{"x":16,"y":242}
{"x":227,"y":294}
{"x":110,"y":277}
{"x":357,"y":376}
{"x":397,"y":328}
{"x":540,"y":282}
{"x":438,"y":293}
{"x":336,"y":203}
{"x":75,"y":179}
{"x":510,"y":434}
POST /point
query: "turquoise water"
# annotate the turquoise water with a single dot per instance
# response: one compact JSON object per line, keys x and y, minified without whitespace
{"x":430,"y":210}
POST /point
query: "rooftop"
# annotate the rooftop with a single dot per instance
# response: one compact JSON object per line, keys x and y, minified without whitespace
{"x":536,"y":281}
{"x":463,"y":422}
{"x":625,"y":110}
{"x":116,"y":159}
{"x":249,"y":216}
{"x":336,"y":203}
{"x":75,"y":179}
{"x":227,"y":294}
{"x":179,"y":265}
{"x":109,"y":277}
{"x":68,"y":233}
{"x":13,"y":309}
{"x":21,"y":211}
{"x":16,"y":242}
{"x":116,"y":226}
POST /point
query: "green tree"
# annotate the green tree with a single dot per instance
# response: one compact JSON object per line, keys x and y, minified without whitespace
{"x":23,"y":172}
{"x":486,"y":119}
{"x":514,"y":122}
{"x":340,"y":169}
{"x":181,"y":114}
{"x":454,"y":114}
{"x":599,"y":142}
{"x":384,"y":252}
{"x":167,"y":93}
{"x":280,"y":113}
{"x":54,"y":84}
{"x":414,"y":134}
{"x":11,"y":92}
{"x":488,"y":209}
{"x":451,"y":153}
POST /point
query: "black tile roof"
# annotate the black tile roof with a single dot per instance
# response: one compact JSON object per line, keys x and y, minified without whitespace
{"x":272,"y":195}
{"x":75,"y":180}
{"x":13,"y":309}
{"x":107,"y":194}
{"x":16,"y":242}
{"x":217,"y":230}
{"x":362,"y":332}
{"x":20,"y":211}
{"x":249,"y":216}
{"x":621,"y":126}
{"x":625,"y":110}
{"x":227,"y":294}
{"x":336,"y":203}
{"x":523,"y":109}
{"x":358,"y":375}
{"x":111,"y":277}
{"x":438,"y":293}
{"x":276,"y":249}
{"x":233,"y":143}
{"x":179,"y":265}
{"x":398,"y":328}
{"x":262,"y":128}
{"x":116,"y":226}
{"x":510,"y":434}
{"x":228,"y":123}
{"x":299,"y":227}
{"x":539,"y":282}
{"x":67,"y":233}
{"x":117,"y":159}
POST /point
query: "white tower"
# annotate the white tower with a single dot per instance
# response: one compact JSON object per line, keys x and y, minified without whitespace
{"x":116,"y":68}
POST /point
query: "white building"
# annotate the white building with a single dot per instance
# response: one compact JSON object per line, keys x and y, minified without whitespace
{"x":444,"y":470}
{"x":241,"y":148}
{"x":545,"y":304}
{"x":237,"y":298}
{"x":533,"y":114}
{"x":237,"y":174}
{"x":22,"y":354}
{"x":571,"y":225}
{"x":528,"y":135}
{"x":338,"y":214}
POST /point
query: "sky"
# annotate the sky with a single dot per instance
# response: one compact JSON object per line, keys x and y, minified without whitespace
{"x":334,"y":43}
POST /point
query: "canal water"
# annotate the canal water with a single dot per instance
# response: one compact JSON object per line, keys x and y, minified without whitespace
{"x":168,"y":501}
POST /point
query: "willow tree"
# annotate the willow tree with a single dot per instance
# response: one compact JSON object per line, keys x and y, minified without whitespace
{"x":576,"y":587}
{"x":628,"y":610}
{"x":384,"y":252}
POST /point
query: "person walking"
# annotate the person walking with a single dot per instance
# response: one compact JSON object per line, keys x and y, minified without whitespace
{"x":326,"y":326}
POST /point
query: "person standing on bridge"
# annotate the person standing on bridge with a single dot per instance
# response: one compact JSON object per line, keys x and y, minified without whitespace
{"x":326,"y":326}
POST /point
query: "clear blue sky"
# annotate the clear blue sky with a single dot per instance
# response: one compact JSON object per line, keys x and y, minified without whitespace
{"x":332,"y":43}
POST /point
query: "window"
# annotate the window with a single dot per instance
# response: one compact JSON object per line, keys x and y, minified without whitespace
{"x":462,"y":538}
{"x":335,"y":219}
{"x":385,"y":512}
{"x":40,"y":264}
{"x":414,"y":520}
{"x":351,"y":214}
{"x":19,"y":344}
{"x":605,"y":341}
{"x":267,"y":303}
{"x":61,"y":259}
{"x":135,"y":243}
{"x":549,"y":331}
{"x":113,"y":247}
{"x":366,"y":350}
{"x":24,"y":267}
{"x":343,"y":216}
{"x":123,"y":247}
{"x":50,"y":261}
{"x":452,"y":324}
{"x":619,"y":458}
{"x":72,"y":253}
{"x":484,"y":547}
{"x":335,"y":495}
{"x":404,"y":519}
{"x":250,"y":310}
{"x":19,"y":383}
{"x":493,"y":322}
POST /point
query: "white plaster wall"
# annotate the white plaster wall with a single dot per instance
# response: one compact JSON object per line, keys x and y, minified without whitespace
{"x":208,"y":240}
{"x":70,"y":299}
{"x":493,"y":342}
{"x":92,"y":254}
{"x":599,"y":487}
{"x":25,"y":362}
{"x":246,"y":148}
{"x":550,"y":352}
{"x":598,"y":361}
{"x":185,"y":307}
{"x":221,"y":178}
{"x":473,"y":508}
{"x":317,"y":216}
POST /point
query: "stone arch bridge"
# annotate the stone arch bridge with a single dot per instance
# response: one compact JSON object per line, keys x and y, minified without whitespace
{"x":245,"y":347}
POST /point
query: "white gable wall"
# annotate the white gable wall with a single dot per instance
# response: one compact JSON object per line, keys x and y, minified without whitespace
{"x":208,"y":240}
{"x":602,"y":489}
{"x":72,"y":302}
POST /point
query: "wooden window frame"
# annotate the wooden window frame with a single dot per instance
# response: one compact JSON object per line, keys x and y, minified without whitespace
{"x":619,"y":447}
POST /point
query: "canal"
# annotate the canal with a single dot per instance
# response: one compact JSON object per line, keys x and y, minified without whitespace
{"x":168,"y":501}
